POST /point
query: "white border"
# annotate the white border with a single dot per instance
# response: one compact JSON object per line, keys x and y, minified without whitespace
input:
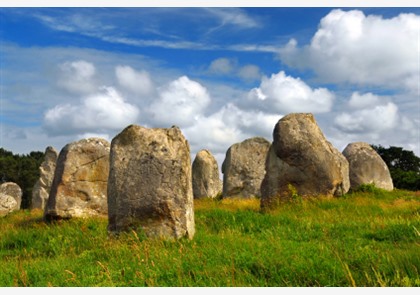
{"x":209,"y":3}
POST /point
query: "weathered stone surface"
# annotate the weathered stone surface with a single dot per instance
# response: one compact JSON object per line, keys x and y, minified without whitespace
{"x":10,"y":198}
{"x":7,"y":205}
{"x":205,"y":176}
{"x":244,"y":168}
{"x":301,"y":159}
{"x":80,"y":180}
{"x":42,"y":187}
{"x":366,"y":166}
{"x":150,"y":183}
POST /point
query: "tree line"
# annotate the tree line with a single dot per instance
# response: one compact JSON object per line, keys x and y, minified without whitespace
{"x":403,"y":165}
{"x":22,"y":170}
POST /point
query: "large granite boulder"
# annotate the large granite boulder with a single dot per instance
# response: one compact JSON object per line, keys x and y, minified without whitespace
{"x":367,"y":167}
{"x":150,"y":183}
{"x":205,"y":176}
{"x":301,"y":161}
{"x":80,"y":180}
{"x":244,"y":168}
{"x":10,"y":198}
{"x":42,"y":187}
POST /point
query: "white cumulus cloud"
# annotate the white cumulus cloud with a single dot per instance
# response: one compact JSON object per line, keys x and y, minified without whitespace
{"x":179,"y":103}
{"x":373,"y":119}
{"x":249,"y":123}
{"x":138,"y":82}
{"x":106,"y":110}
{"x":227,"y":126}
{"x":360,"y":101}
{"x":212,"y":133}
{"x":368,"y":113}
{"x":284,"y":94}
{"x":77,"y":77}
{"x":350,"y":47}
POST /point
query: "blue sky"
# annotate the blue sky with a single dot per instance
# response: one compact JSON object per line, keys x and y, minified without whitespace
{"x":221,"y":74}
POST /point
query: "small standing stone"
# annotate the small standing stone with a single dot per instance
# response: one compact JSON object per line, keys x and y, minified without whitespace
{"x":244,"y":168}
{"x":367,"y":167}
{"x":205,"y":176}
{"x":42,"y":187}
{"x":10,"y":198}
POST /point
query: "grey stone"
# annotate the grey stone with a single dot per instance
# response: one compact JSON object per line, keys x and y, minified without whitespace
{"x":80,"y":180}
{"x":150,"y":183}
{"x":302,"y":161}
{"x":205,"y":176}
{"x":10,"y":198}
{"x":42,"y":187}
{"x":367,"y":167}
{"x":244,"y":168}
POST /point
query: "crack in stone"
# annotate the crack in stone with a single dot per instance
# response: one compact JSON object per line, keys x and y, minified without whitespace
{"x":84,"y":180}
{"x":88,"y":163}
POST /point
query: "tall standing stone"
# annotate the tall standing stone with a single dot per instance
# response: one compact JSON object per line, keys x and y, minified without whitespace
{"x":302,"y":161}
{"x":244,"y":168}
{"x":367,"y":167}
{"x":150,"y":185}
{"x":205,"y":176}
{"x":80,"y":180}
{"x":10,"y":198}
{"x":42,"y":187}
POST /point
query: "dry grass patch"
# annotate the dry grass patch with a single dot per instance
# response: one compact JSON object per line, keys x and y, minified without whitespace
{"x":401,"y":204}
{"x":229,"y":204}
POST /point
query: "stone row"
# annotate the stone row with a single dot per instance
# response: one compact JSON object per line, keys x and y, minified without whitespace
{"x":144,"y":178}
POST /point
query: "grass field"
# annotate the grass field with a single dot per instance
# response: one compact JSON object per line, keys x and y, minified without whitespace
{"x":367,"y":238}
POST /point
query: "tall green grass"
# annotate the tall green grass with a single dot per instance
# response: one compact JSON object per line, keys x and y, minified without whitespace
{"x":366,"y":238}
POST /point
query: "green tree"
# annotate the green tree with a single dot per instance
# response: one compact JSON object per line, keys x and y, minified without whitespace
{"x":22,"y":170}
{"x":403,"y":165}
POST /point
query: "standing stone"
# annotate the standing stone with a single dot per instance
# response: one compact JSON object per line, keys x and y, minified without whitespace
{"x":244,"y":168}
{"x":42,"y":187}
{"x":205,"y":176}
{"x":366,"y":166}
{"x":150,"y":183}
{"x":10,"y":198}
{"x":302,"y":161}
{"x":80,"y":180}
